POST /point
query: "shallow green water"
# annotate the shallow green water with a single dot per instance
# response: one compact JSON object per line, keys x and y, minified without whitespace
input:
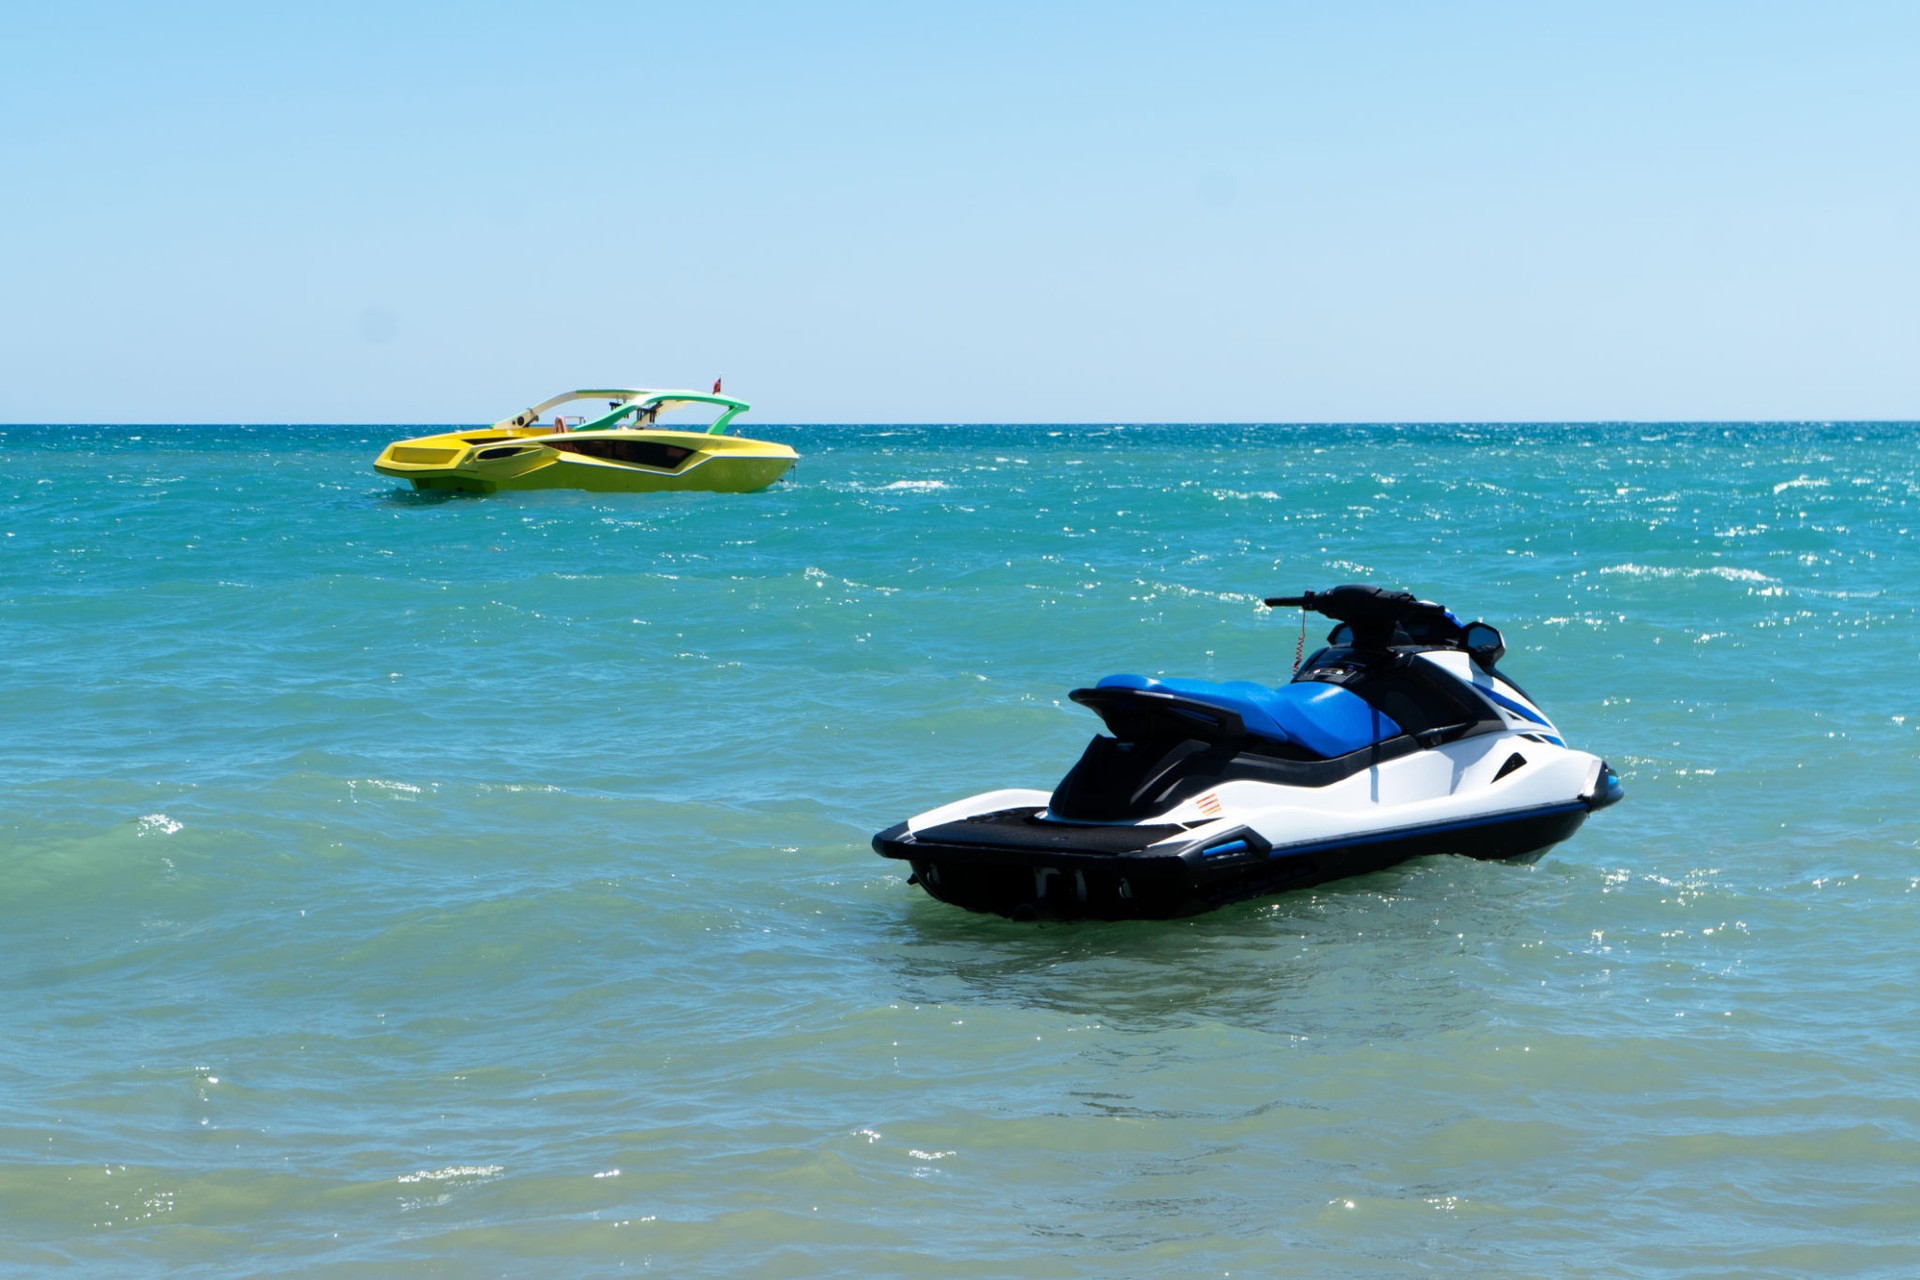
{"x":482,"y":885}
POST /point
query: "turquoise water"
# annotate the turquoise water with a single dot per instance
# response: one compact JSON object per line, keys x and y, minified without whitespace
{"x":481,"y":886}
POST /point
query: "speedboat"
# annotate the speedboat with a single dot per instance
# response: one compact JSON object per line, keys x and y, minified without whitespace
{"x":607,"y":440}
{"x":1399,"y":739}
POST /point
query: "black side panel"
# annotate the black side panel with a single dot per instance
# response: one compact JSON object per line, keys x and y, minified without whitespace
{"x":645,"y":453}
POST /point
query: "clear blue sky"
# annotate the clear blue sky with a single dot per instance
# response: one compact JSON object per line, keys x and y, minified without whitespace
{"x":989,"y":211}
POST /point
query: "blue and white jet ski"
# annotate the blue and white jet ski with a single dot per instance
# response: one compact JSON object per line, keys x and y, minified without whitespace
{"x":1401,"y":738}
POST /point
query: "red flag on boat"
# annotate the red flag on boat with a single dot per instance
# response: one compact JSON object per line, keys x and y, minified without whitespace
{"x":716,"y":386}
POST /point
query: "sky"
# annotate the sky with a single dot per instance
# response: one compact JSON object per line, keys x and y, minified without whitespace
{"x":984,"y":212}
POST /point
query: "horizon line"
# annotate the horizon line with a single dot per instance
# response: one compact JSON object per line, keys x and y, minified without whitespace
{"x":1100,"y":423}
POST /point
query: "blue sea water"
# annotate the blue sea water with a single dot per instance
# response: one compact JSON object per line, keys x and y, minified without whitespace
{"x":392,"y":885}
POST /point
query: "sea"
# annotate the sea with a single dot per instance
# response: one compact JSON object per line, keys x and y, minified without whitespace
{"x":394,"y":884}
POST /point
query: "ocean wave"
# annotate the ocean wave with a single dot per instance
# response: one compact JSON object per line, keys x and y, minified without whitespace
{"x":1726,"y":573}
{"x":405,"y":790}
{"x":454,"y":1171}
{"x":910,"y":486}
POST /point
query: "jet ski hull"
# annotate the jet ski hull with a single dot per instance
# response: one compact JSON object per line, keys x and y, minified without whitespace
{"x":1014,"y":863}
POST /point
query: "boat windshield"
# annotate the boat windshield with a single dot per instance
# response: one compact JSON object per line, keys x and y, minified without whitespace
{"x":616,"y":409}
{"x":668,"y":411}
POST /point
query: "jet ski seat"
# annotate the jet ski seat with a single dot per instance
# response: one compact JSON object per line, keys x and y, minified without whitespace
{"x":1325,"y":719}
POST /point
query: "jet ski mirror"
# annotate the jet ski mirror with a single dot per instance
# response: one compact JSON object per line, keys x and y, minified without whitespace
{"x":1341,"y":635}
{"x":1484,"y":644}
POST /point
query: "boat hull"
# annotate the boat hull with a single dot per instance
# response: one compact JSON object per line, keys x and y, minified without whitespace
{"x":599,"y":462}
{"x":1016,"y":865}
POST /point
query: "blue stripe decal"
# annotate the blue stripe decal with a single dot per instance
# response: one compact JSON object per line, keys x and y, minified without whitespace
{"x":1513,"y":706}
{"x":1433,"y":829}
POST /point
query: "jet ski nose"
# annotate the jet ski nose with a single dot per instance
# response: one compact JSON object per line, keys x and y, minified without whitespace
{"x":1607,"y":790}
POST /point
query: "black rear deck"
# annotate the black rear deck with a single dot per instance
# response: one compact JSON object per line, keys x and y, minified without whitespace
{"x":1022,"y":828}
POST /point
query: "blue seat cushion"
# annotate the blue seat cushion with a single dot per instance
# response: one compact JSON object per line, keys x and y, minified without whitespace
{"x":1324,"y":718}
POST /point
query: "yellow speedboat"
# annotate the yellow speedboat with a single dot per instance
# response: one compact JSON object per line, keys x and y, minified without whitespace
{"x":605,"y":440}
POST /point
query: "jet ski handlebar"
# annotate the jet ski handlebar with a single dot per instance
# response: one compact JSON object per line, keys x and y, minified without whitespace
{"x":1378,"y":618}
{"x":1358,"y":604}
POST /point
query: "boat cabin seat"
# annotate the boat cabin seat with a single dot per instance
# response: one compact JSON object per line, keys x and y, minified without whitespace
{"x":1326,"y":719}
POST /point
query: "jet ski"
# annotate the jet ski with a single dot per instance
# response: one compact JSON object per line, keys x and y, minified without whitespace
{"x":1399,"y":739}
